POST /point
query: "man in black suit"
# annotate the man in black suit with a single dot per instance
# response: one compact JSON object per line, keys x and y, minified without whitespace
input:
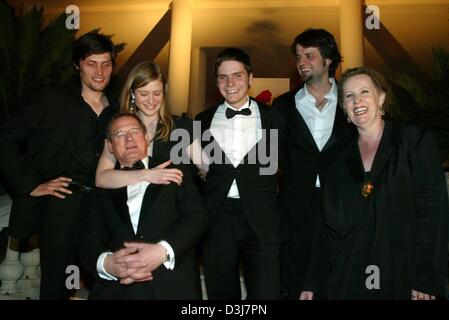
{"x":239,"y":195}
{"x":49,"y":155}
{"x":141,"y":239}
{"x":312,"y":131}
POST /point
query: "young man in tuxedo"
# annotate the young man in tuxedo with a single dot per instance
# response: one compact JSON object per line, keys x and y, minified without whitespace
{"x":312,"y":131}
{"x":49,"y":155}
{"x":141,"y":239}
{"x":239,"y":197}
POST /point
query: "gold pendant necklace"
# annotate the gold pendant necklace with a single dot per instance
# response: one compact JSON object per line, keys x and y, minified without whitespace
{"x":367,"y":189}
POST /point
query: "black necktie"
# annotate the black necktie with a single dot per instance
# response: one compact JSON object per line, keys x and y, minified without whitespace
{"x":136,"y":166}
{"x":230,"y":113}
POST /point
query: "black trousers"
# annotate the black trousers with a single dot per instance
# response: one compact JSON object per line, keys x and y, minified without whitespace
{"x":231,"y":242}
{"x":62,"y":230}
{"x":295,"y":252}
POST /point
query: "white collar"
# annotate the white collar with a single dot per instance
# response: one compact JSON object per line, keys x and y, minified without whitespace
{"x":246,"y":105}
{"x":330,"y":95}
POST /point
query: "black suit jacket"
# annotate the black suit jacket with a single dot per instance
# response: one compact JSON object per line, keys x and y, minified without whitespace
{"x":169,"y":212}
{"x":301,"y":160}
{"x":402,"y":227}
{"x":257,"y":192}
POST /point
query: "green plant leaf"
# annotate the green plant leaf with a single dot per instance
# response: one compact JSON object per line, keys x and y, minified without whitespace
{"x":27,"y":46}
{"x":55,"y":52}
{"x":440,"y":64}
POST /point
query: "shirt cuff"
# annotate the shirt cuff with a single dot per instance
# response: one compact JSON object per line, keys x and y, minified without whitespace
{"x":100,"y":267}
{"x":170,"y":263}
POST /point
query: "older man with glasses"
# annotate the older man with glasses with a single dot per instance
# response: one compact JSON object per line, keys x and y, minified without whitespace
{"x":140,"y":239}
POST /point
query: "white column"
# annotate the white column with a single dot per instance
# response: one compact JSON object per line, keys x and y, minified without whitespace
{"x":351,"y":33}
{"x":198,"y":81}
{"x":179,"y":56}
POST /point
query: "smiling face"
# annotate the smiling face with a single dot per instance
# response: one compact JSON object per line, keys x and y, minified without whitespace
{"x":233,"y":82}
{"x":128,"y":142}
{"x":95,"y":71}
{"x":362,"y":100}
{"x":310,"y":64}
{"x":149,"y":98}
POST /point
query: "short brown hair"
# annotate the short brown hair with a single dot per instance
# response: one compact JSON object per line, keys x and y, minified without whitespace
{"x":233,"y":54}
{"x":324,"y":41}
{"x":376,"y":77}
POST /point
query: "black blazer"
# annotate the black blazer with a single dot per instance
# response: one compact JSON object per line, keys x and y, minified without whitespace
{"x":257,"y":192}
{"x":169,"y":212}
{"x":300,"y":159}
{"x":402,"y":227}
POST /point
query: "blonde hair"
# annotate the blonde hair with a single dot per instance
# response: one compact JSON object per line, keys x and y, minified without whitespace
{"x":141,"y":75}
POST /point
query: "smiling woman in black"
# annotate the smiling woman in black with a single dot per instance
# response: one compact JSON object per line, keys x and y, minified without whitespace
{"x":384,"y":233}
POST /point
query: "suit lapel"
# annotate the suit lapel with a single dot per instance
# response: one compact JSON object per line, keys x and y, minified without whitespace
{"x":119,"y":199}
{"x":151,"y":192}
{"x":265,"y":123}
{"x":355,"y":164}
{"x":389,"y":140}
{"x":265,"y":120}
{"x":299,"y":130}
{"x":339,"y":123}
{"x":206,"y":121}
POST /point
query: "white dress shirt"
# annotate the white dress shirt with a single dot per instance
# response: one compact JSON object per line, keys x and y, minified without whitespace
{"x":320,"y":123}
{"x":136,"y":193}
{"x":236,"y":136}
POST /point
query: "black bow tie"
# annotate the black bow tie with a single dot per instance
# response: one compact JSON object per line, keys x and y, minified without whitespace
{"x":231,"y":113}
{"x":136,"y":166}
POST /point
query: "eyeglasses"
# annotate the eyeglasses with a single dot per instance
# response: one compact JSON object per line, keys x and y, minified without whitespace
{"x":121,"y":134}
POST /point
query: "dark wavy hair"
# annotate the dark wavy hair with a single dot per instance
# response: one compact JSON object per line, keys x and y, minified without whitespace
{"x":92,"y":43}
{"x":324,"y":41}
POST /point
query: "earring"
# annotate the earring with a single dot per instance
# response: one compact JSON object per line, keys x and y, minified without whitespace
{"x":133,"y":103}
{"x":348,"y":119}
{"x":381,"y":111}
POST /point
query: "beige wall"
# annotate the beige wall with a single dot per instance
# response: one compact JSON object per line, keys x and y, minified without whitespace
{"x":417,"y":25}
{"x":265,"y":28}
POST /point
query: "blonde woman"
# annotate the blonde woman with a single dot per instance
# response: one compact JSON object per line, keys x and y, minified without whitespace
{"x":144,"y":94}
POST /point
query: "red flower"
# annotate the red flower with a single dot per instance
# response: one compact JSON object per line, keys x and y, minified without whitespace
{"x":264,"y":97}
